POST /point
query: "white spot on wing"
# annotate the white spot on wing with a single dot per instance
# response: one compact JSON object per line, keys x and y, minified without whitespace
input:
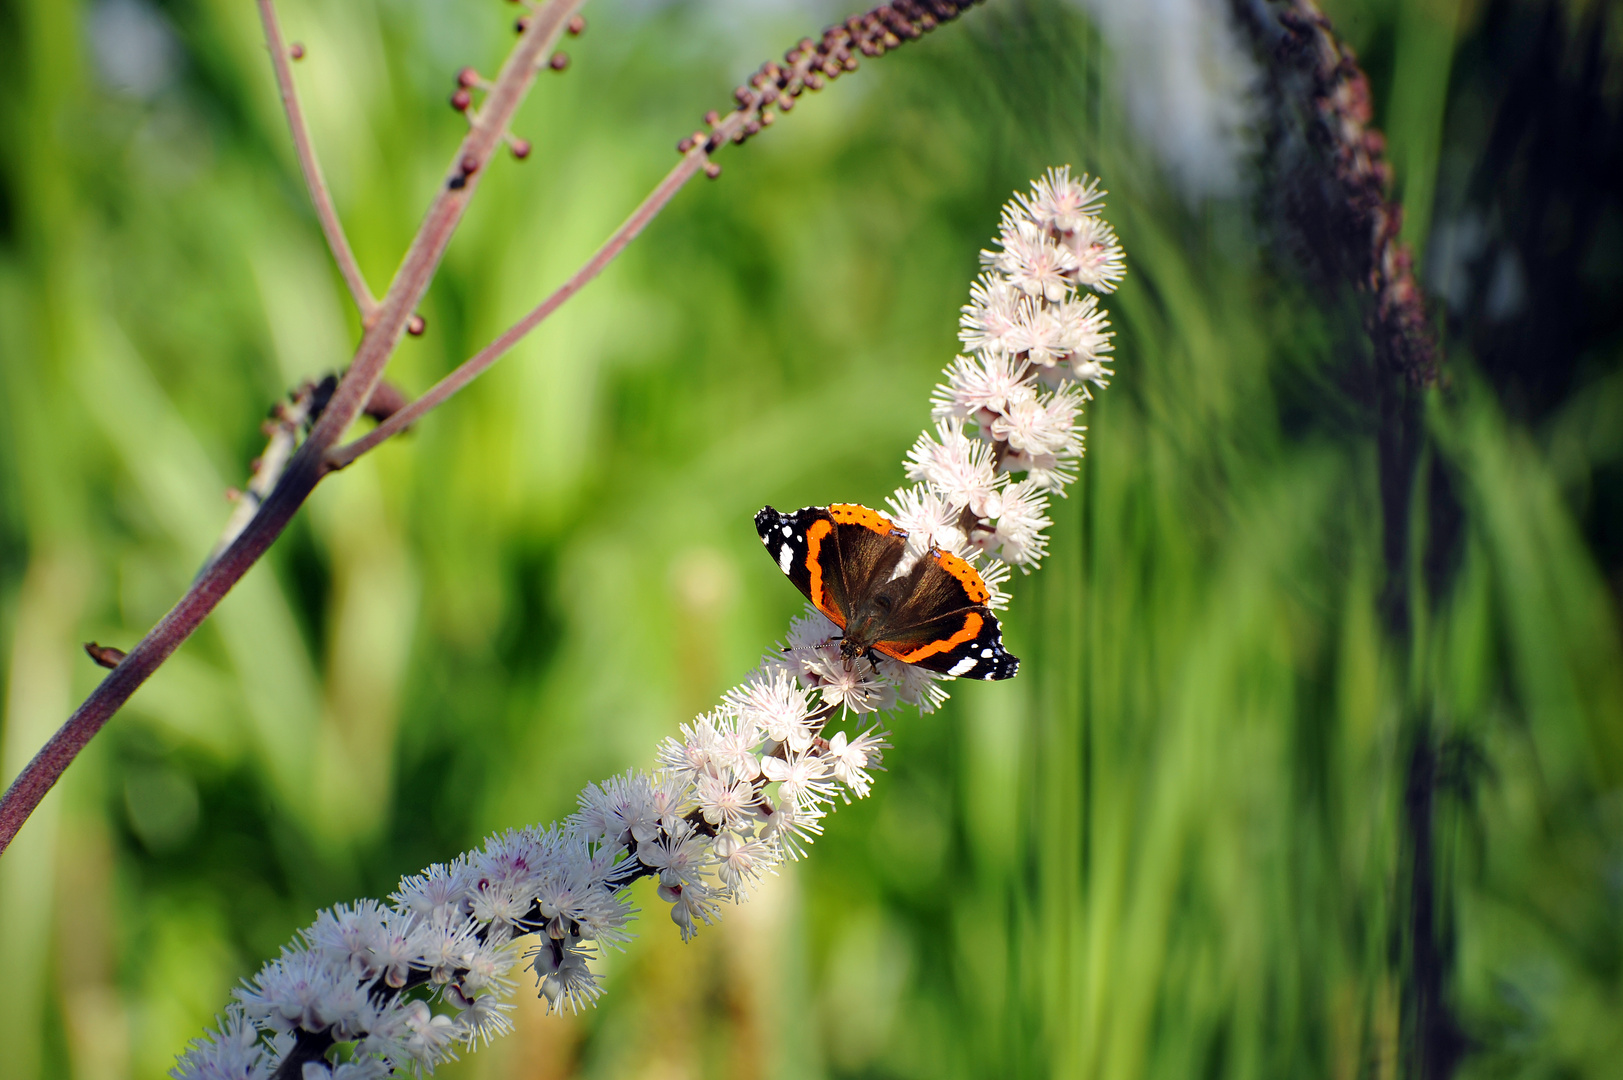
{"x":786,"y":558}
{"x":962,"y":667}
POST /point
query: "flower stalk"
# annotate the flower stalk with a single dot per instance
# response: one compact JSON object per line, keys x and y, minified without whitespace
{"x":406,"y":985}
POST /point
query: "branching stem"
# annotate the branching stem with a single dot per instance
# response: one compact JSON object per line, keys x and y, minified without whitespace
{"x":692,"y":162}
{"x":308,"y":464}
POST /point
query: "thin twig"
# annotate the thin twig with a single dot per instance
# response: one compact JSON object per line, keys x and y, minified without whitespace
{"x":311,"y":167}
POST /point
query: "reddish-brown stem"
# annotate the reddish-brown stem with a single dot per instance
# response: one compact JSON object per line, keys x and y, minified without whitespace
{"x":311,"y":167}
{"x":308,"y":464}
{"x":287,"y":420}
{"x":208,"y":590}
{"x":474,"y":366}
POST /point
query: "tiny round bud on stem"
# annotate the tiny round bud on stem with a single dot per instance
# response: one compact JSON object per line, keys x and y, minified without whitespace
{"x":712,"y":170}
{"x":416,"y":325}
{"x":685,"y":145}
{"x":712,"y":118}
{"x":576,"y":25}
{"x":470,"y":164}
{"x":559,"y":61}
{"x":519,"y":147}
{"x":467,"y":77}
{"x":521,"y":24}
{"x":296,"y":50}
{"x":461,"y":101}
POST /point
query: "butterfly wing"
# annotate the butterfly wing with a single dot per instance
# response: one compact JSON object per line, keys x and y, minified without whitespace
{"x":805,"y":544}
{"x":967,"y":643}
{"x":870,"y":548}
{"x":943,"y":623}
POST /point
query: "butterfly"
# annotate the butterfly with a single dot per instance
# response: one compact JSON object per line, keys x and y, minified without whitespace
{"x":845,"y":558}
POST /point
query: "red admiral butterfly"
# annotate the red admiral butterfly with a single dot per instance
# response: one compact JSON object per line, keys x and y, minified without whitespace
{"x":844,"y":558}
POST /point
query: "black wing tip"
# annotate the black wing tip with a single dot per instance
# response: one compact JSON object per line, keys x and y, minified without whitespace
{"x":1005,"y":667}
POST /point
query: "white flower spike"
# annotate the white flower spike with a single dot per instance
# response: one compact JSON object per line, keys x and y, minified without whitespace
{"x":740,"y":790}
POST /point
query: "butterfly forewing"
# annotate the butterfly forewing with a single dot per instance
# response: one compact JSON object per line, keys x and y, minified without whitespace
{"x":867,"y":560}
{"x":803,"y":546}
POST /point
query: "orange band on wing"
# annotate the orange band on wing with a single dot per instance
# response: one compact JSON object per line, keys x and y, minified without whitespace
{"x":971,"y":630}
{"x":965,"y":573}
{"x":814,"y":563}
{"x":852,"y":514}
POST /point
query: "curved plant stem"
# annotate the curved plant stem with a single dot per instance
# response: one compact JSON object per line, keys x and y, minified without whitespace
{"x":311,"y":167}
{"x":308,"y":464}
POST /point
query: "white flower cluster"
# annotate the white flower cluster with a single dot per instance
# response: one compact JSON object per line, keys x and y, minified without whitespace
{"x":404,"y":985}
{"x":1036,"y":341}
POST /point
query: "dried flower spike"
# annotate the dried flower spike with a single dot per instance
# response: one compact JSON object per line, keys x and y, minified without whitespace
{"x":811,"y":64}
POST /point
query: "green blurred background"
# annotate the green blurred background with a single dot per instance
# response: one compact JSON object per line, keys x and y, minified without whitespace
{"x":1235,"y":818}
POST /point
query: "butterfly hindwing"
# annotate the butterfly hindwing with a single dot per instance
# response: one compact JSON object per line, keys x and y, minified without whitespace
{"x":966,"y":643}
{"x":945,"y":625}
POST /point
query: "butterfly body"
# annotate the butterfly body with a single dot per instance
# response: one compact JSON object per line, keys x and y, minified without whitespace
{"x":845,"y":559}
